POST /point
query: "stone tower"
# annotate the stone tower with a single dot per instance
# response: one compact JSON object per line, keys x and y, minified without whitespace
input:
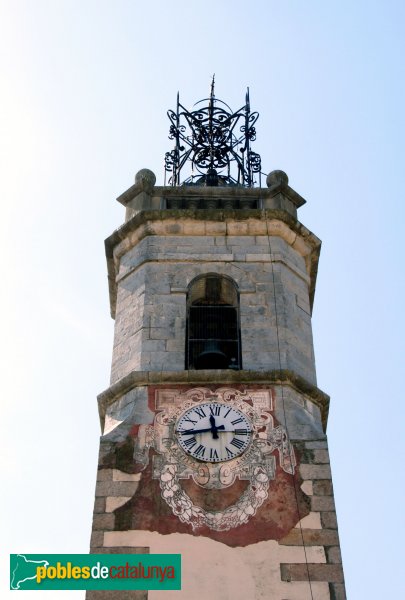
{"x":213,"y":429}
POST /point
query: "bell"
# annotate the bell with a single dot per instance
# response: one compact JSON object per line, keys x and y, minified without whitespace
{"x":211,"y":179}
{"x":211,"y":357}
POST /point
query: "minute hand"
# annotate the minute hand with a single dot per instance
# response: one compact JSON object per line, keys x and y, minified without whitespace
{"x":193,"y":431}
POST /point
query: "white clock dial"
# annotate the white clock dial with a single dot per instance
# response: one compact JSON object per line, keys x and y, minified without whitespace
{"x":214,"y":432}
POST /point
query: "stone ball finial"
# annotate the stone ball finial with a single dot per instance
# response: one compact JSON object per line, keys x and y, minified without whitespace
{"x":276,"y":177}
{"x":146,"y":178}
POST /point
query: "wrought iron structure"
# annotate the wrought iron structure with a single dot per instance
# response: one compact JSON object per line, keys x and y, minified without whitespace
{"x":215,"y":141}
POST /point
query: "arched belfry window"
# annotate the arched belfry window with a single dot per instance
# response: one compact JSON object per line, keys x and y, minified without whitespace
{"x":213,"y":336}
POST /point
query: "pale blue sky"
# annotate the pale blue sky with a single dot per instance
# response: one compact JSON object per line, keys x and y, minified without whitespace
{"x":85,"y":86}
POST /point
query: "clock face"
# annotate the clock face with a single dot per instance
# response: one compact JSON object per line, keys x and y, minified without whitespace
{"x":214,"y":432}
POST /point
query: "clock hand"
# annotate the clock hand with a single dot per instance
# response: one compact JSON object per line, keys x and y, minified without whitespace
{"x":192,"y":431}
{"x":213,"y":428}
{"x":220,"y":428}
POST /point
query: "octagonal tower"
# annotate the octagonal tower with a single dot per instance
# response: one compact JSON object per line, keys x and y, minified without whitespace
{"x":213,"y":437}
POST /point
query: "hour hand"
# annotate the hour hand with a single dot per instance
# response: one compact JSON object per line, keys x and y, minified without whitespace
{"x":214,"y":428}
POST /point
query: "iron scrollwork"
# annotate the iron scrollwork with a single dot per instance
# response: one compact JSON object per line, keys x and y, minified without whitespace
{"x":215,"y":142}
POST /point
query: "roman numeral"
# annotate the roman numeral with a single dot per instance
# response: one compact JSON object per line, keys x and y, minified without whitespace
{"x":215,"y":410}
{"x":227,"y":412}
{"x":213,"y":453}
{"x":240,"y":420}
{"x":200,"y":412}
{"x":190,"y":420}
{"x":190,"y":443}
{"x":237,"y":443}
{"x":241,"y":432}
{"x":200,"y":451}
{"x":229,"y":453}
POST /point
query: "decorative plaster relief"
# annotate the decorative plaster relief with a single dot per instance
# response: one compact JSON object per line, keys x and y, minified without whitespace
{"x":256,"y":465}
{"x":179,"y":493}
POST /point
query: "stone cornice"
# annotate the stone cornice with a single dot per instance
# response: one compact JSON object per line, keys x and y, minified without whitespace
{"x":277,"y":377}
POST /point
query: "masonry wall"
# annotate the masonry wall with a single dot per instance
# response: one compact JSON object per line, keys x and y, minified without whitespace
{"x":289,"y":548}
{"x":303,"y":563}
{"x":272,"y":278}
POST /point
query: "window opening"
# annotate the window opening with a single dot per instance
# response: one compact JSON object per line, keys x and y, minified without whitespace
{"x":213,"y":333}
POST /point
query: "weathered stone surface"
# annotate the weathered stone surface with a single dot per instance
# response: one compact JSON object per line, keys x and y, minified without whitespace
{"x":311,"y":521}
{"x":307,"y":488}
{"x":315,"y":471}
{"x":104,"y":475}
{"x":323,"y":487}
{"x":333,"y":554}
{"x":322,"y":503}
{"x":321,"y":456}
{"x":116,"y":488}
{"x":99,"y":505}
{"x":311,"y":537}
{"x":104,"y":522}
{"x":114,"y":502}
{"x":313,"y":572}
{"x":97,"y":539}
{"x":313,"y":444}
{"x":337,"y":591}
{"x":328,"y":519}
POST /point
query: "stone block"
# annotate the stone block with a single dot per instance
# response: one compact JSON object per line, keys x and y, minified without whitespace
{"x":116,"y":488}
{"x":313,"y":444}
{"x":256,"y":227}
{"x":307,"y":488}
{"x":241,"y":241}
{"x":237,"y":228}
{"x":321,"y":456}
{"x":162,"y":321}
{"x":337,"y":591}
{"x":104,"y":475}
{"x":323,"y":487}
{"x":160,"y":333}
{"x":97,"y":539}
{"x":114,"y":502}
{"x":333,"y":554}
{"x":262,"y":240}
{"x":103,"y":522}
{"x":175,"y":345}
{"x":315,"y":471}
{"x":215,"y":228}
{"x":322,"y":503}
{"x":313,"y":571}
{"x":311,"y":537}
{"x":153,"y":346}
{"x":257,"y":257}
{"x":99,"y":505}
{"x":167,"y":361}
{"x":329,"y":520}
{"x":122,"y":476}
{"x":194,"y":228}
{"x":311,"y":521}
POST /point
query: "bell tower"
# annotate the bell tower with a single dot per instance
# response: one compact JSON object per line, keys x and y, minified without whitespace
{"x":213,"y":437}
